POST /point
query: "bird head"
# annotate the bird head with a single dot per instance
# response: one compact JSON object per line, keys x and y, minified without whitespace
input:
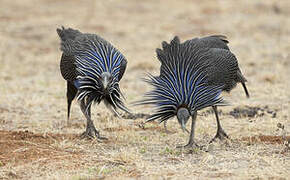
{"x":182,"y":117}
{"x":106,"y":79}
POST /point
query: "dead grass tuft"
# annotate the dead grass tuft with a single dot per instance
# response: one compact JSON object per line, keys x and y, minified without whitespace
{"x":253,"y":111}
{"x":266,"y":139}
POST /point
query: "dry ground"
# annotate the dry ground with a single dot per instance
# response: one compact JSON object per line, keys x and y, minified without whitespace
{"x":36,"y":142}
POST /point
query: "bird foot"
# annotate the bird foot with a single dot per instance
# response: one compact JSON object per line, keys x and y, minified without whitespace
{"x":189,"y":145}
{"x":92,"y":133}
{"x":221,"y":135}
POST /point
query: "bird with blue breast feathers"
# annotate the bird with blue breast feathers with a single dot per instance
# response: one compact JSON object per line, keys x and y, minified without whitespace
{"x":93,"y":69}
{"x":222,"y":68}
{"x":182,"y":87}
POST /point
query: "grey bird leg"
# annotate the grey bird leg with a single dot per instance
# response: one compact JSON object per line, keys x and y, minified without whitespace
{"x":70,"y":94}
{"x":191,"y":143}
{"x":91,"y":132}
{"x":220,"y":132}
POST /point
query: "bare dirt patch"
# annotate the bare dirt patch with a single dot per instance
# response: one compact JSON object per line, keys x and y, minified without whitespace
{"x":246,"y":111}
{"x":251,"y":112}
{"x":141,"y":127}
{"x":23,"y":146}
{"x":266,"y":139}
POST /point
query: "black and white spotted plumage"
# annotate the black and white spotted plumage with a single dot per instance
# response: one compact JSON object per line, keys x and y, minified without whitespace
{"x":214,"y":41}
{"x":223,"y":67}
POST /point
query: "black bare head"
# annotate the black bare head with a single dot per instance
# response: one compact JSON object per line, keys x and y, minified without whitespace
{"x":106,"y":79}
{"x":183,"y":116}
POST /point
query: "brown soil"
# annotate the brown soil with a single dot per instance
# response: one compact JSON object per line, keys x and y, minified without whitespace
{"x":137,"y":127}
{"x":267,"y":139}
{"x":20,"y":147}
{"x":24,"y":146}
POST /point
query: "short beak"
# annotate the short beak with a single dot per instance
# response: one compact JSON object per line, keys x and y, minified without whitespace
{"x":184,"y":128}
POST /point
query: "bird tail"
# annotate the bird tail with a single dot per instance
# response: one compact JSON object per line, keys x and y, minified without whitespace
{"x":246,"y":90}
{"x":66,"y":34}
{"x":242,"y":79}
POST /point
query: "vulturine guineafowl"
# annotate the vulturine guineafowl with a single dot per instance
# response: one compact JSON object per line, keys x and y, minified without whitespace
{"x":182,"y":87}
{"x":222,"y":68}
{"x":92,"y":68}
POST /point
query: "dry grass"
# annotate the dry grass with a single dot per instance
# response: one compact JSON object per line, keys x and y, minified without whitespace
{"x":36,"y":143}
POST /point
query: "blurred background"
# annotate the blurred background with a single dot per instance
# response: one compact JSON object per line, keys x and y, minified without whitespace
{"x":31,"y":84}
{"x":33,"y":92}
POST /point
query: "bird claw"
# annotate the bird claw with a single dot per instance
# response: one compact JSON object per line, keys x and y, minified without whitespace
{"x":221,"y":135}
{"x":189,"y":146}
{"x":92,"y":133}
{"x":186,"y":130}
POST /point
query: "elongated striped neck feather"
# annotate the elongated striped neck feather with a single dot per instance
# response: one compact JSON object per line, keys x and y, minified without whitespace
{"x":182,"y":83}
{"x":98,"y":66}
